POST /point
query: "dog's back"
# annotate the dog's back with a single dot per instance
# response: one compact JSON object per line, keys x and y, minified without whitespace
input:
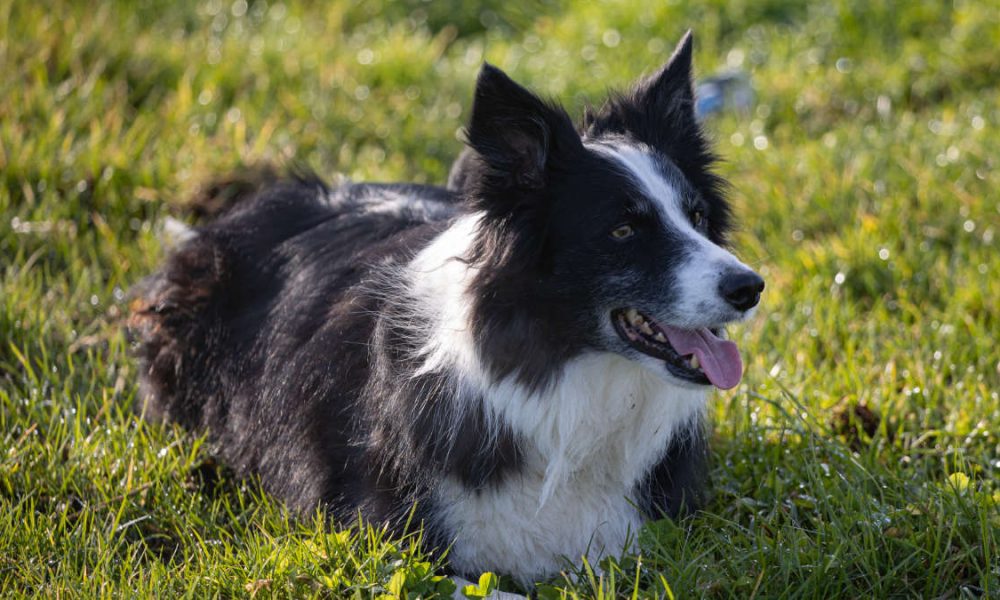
{"x":257,"y":326}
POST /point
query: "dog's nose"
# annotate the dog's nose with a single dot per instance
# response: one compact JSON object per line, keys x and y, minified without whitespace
{"x":742,"y":289}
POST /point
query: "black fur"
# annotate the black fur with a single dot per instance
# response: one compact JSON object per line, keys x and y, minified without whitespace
{"x":677,"y":484}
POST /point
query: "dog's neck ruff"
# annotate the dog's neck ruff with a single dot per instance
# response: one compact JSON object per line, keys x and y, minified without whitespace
{"x":587,"y":440}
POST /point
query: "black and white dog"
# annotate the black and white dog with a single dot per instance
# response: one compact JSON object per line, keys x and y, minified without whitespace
{"x":526,"y":360}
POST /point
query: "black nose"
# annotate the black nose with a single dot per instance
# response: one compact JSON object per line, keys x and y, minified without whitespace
{"x":742,"y":289}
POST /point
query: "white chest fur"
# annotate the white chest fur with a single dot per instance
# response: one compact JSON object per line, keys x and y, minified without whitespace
{"x":590,"y":440}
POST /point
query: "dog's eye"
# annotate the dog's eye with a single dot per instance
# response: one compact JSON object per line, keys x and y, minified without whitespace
{"x":697,"y":218}
{"x":623,"y":232}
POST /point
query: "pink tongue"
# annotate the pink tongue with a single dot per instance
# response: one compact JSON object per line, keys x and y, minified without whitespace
{"x":719,"y":358}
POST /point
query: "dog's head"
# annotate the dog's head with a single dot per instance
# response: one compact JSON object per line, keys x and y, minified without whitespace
{"x":607,"y":238}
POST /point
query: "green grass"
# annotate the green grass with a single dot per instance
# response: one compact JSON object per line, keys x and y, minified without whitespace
{"x":866,"y":178}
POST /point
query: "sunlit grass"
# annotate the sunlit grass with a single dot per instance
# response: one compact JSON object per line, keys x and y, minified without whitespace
{"x":866,"y":182}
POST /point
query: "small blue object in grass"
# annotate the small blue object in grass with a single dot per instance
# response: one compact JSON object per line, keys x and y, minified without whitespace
{"x":725,"y":91}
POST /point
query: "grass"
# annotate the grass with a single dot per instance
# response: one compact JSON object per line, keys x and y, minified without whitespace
{"x":866,"y":177}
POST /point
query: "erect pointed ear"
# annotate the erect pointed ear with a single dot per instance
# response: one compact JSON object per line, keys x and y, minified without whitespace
{"x":671,"y":87}
{"x":516,"y":134}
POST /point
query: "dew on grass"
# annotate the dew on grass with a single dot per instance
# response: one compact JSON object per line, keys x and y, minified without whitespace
{"x":219,"y":23}
{"x":813,"y":56}
{"x":256,"y":46}
{"x":883,"y":106}
{"x":735,"y":58}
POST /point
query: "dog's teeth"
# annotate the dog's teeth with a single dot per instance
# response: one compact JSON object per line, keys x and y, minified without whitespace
{"x":645,"y":328}
{"x":694,"y":362}
{"x":660,"y":337}
{"x":632,"y":315}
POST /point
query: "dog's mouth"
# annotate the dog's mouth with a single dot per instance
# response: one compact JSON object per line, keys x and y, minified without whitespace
{"x":697,"y":355}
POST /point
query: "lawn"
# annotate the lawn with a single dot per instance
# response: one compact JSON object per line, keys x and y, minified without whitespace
{"x":859,"y":457}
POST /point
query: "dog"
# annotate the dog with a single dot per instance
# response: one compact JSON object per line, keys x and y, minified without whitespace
{"x":521,"y":362}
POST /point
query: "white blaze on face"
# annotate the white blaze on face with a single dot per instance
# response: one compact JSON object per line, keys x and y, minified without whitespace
{"x":698,"y":303}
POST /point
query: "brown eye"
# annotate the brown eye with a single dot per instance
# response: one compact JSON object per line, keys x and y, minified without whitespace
{"x":697,"y":218}
{"x":622,"y":232}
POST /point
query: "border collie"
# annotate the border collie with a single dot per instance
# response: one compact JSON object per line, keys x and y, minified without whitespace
{"x":524,"y":360}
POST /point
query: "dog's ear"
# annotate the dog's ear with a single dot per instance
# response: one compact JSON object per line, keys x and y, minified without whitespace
{"x":670,"y":90}
{"x":656,"y":107}
{"x":517,"y":135}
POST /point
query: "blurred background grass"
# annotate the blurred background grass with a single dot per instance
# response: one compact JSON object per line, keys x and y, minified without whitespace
{"x":860,"y":455}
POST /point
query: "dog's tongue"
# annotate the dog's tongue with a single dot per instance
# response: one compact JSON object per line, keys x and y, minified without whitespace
{"x":719,"y":358}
